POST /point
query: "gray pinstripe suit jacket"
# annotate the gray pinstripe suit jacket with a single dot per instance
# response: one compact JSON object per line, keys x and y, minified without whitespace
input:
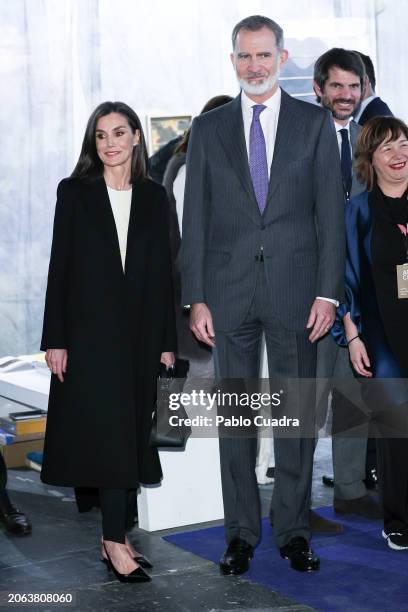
{"x":301,"y":230}
{"x":357,"y":186}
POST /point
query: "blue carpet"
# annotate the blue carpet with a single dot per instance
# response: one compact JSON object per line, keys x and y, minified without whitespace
{"x":358,"y":571}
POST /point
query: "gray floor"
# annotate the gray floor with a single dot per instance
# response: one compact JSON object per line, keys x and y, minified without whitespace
{"x":62,"y":555}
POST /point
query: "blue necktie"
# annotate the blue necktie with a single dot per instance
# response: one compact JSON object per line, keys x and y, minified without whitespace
{"x":258,"y":163}
{"x":346,"y":160}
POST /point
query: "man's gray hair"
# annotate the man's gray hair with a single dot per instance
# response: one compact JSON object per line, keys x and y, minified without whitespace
{"x":255,"y":23}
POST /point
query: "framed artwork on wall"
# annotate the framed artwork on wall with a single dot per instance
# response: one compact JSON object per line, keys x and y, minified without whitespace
{"x":161,"y":129}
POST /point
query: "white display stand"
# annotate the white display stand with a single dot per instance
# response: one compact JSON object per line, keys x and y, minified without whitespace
{"x":191,"y":488}
{"x":190,"y":491}
{"x":264,"y":457}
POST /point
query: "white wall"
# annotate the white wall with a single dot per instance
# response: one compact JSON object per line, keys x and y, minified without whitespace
{"x":60,"y":58}
{"x":392,"y":56}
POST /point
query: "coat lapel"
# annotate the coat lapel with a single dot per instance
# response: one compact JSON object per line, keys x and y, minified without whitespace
{"x":232,"y":136}
{"x":134,"y":221}
{"x":104,"y":221}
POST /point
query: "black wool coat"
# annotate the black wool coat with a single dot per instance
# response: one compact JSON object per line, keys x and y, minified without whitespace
{"x":114,"y":325}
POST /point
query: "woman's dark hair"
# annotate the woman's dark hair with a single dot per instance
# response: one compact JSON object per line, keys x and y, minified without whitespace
{"x":212,"y":103}
{"x":372,"y":135}
{"x":89,"y":166}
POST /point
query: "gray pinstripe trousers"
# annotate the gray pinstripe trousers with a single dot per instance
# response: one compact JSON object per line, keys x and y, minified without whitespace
{"x":291,"y":355}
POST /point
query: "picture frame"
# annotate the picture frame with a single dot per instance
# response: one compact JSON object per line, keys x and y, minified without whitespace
{"x":163,"y":128}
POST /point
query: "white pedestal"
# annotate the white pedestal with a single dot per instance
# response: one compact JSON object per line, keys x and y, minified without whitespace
{"x":190,"y":491}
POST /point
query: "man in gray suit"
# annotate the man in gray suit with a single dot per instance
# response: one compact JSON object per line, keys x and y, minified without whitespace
{"x":338,"y":82}
{"x":263,"y":251}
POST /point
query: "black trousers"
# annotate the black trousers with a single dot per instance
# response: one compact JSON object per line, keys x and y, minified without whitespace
{"x":5,"y":503}
{"x":389,"y":423}
{"x":114,"y":509}
{"x":3,"y":474}
{"x":393,"y":477}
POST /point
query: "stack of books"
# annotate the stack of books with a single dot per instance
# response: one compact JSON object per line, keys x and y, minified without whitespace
{"x":34,"y":461}
{"x":21,"y":433}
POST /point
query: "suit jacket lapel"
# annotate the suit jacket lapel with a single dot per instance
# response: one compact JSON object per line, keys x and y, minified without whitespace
{"x":354,"y":131}
{"x":286,"y":144}
{"x":357,"y":186}
{"x":232,"y":136}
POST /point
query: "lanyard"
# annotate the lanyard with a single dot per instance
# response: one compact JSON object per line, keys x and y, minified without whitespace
{"x":404,"y":231}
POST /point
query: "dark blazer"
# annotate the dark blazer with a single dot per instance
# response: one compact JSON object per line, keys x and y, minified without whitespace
{"x":301,"y":230}
{"x":159,"y":160}
{"x":376,"y":108}
{"x":115,"y":325}
{"x":188,"y":345}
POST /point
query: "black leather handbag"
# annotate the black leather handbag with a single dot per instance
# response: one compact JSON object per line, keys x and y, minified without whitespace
{"x":162,"y":433}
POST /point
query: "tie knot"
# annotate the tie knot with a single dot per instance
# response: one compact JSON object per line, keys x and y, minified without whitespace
{"x":258,"y":108}
{"x":344,"y":134}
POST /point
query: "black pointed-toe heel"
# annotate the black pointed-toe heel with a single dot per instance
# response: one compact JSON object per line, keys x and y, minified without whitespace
{"x":142,"y":561}
{"x":138,"y":575}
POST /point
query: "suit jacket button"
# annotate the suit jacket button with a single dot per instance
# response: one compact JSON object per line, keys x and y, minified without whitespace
{"x":263,"y":227}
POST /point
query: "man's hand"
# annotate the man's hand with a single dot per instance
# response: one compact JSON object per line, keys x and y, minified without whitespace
{"x":168,"y":359}
{"x":201,"y":323}
{"x":321,"y":318}
{"x":359,"y":357}
{"x":57,"y":361}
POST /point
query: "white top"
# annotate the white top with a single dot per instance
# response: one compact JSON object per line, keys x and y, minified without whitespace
{"x":120,"y":202}
{"x":268,"y":118}
{"x":178,"y":191}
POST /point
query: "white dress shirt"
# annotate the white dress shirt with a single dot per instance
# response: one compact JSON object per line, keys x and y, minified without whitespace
{"x":268,"y":118}
{"x":120,"y":203}
{"x":339,"y":127}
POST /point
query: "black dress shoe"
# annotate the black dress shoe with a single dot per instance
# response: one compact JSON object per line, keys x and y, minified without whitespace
{"x":138,"y":575}
{"x":15,"y":521}
{"x":236,"y":558}
{"x":364,"y":506}
{"x":301,"y":556}
{"x":319,"y":524}
{"x":328,"y":481}
{"x":270,"y":472}
{"x":371,"y":479}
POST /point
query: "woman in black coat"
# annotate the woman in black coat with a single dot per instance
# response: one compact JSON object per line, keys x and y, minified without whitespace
{"x":108,"y":323}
